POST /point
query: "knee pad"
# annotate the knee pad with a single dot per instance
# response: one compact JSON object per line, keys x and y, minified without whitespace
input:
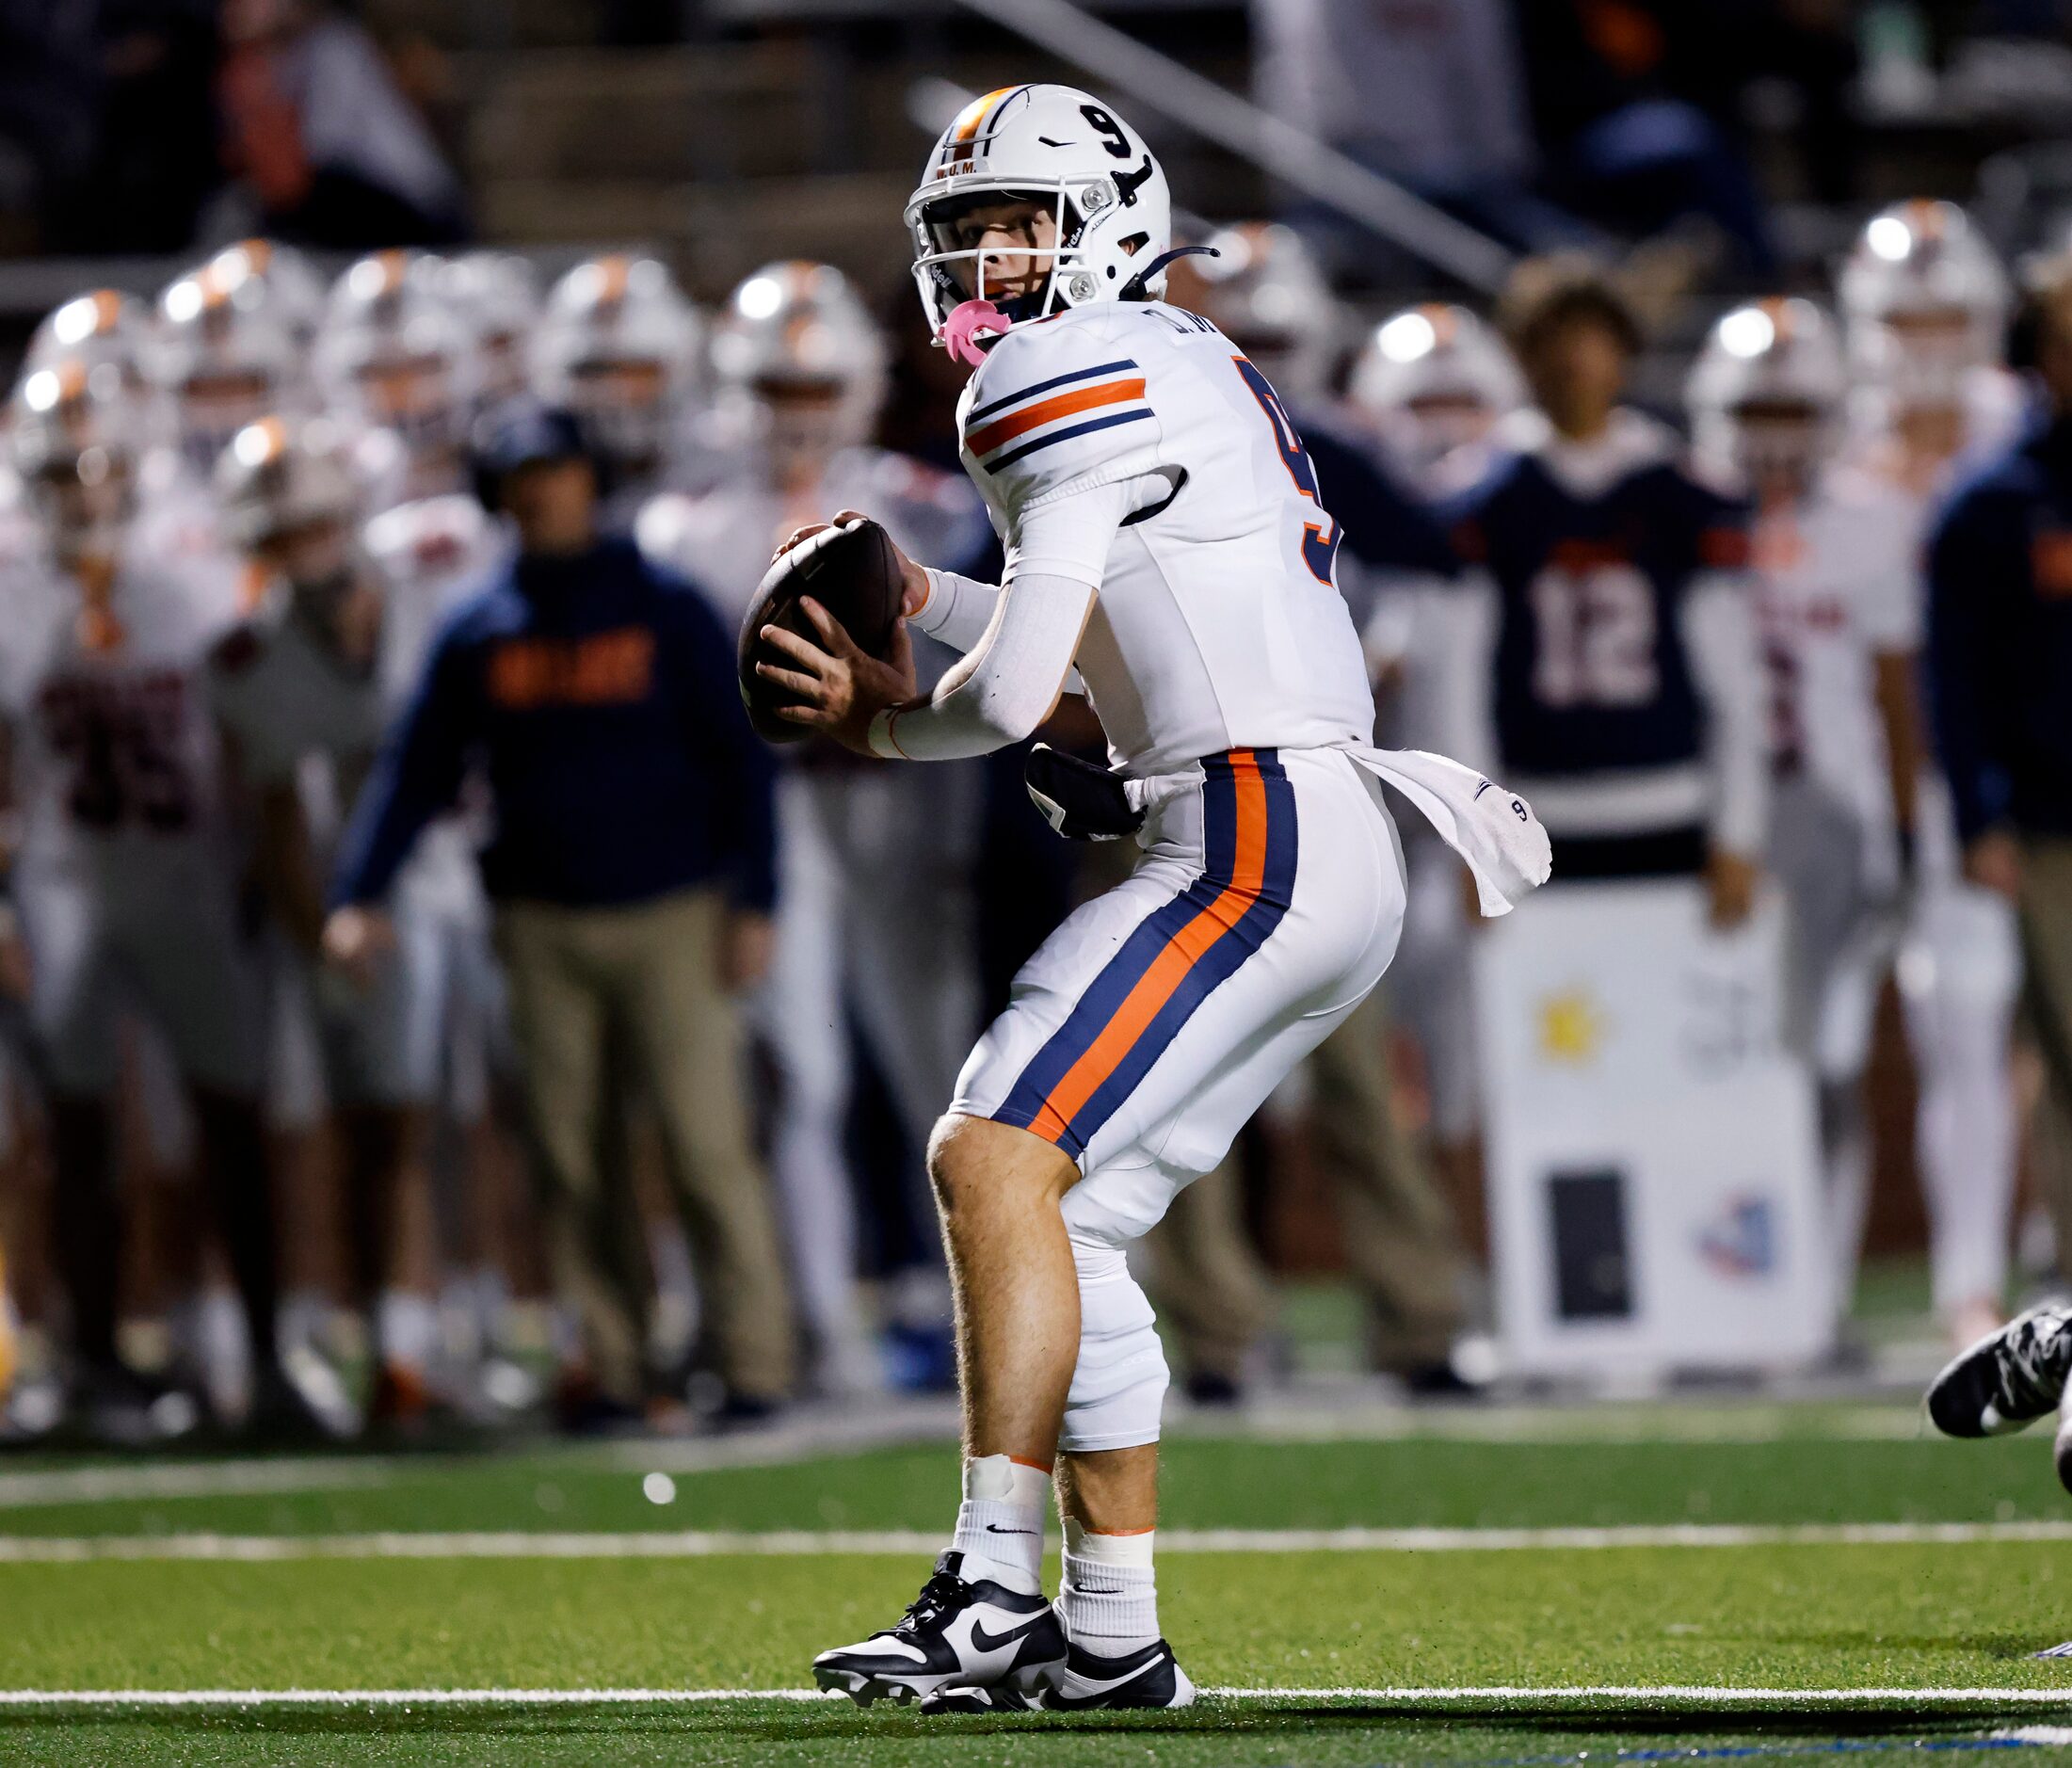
{"x":1119,"y":1384}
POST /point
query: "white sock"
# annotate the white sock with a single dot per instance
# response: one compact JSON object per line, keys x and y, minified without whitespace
{"x":1109,"y":1598}
{"x":407,"y":1328}
{"x":1000,"y":1523}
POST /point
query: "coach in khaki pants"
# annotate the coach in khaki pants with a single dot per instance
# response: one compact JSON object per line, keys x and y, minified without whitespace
{"x":2001,"y":689}
{"x":633,"y":873}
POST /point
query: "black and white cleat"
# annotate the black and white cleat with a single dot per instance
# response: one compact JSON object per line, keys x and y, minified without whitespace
{"x":2008,"y":1379}
{"x":1147,"y":1679}
{"x":953,"y":1635}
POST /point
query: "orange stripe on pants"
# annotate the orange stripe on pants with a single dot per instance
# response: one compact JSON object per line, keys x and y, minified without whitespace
{"x":1141,"y":1006}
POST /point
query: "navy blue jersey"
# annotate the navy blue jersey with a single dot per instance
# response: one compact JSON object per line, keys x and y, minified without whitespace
{"x":1592,"y":672}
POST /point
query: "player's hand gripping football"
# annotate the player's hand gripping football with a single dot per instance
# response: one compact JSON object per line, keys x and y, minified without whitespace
{"x":841,"y":688}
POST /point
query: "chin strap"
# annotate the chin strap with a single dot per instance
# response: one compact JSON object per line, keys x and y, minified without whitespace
{"x":1138,"y":287}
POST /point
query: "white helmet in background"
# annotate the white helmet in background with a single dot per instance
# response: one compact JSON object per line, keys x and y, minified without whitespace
{"x":1766,"y":393}
{"x":394,"y":355}
{"x":1924,"y":300}
{"x":222,"y":358}
{"x":101,"y":326}
{"x":1064,"y":147}
{"x":798,"y":342}
{"x":287,"y":284}
{"x":498,"y":294}
{"x":1265,"y":292}
{"x":1434,"y":379}
{"x":280,"y":474}
{"x":74,"y":423}
{"x":621,"y":347}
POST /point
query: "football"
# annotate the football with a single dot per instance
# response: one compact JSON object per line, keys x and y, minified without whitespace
{"x":852,"y":571}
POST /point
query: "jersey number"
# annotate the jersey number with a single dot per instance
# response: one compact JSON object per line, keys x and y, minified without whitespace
{"x":124,"y":752}
{"x":1595,"y":637}
{"x":1320,"y":539}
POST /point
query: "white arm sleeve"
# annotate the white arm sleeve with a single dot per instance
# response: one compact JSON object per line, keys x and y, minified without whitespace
{"x":1719,"y":632}
{"x":1011,"y":677}
{"x":958,"y":610}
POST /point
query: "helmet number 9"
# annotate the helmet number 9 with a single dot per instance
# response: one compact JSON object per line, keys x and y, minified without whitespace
{"x":1318,"y":539}
{"x":1108,"y":129}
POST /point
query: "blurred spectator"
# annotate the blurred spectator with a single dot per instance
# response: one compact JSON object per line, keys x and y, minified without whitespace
{"x":326,"y":146}
{"x":2001,"y":679}
{"x":1619,"y":92}
{"x":633,"y":872}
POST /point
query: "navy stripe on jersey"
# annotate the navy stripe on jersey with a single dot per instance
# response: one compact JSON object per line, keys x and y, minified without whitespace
{"x":1086,"y":429}
{"x":1045,"y":385}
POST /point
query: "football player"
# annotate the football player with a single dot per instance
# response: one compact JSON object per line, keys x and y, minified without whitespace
{"x":294,"y":292}
{"x":1620,"y":679}
{"x":223,"y":357}
{"x":874,"y":913}
{"x":500,"y":295}
{"x":1169,"y":555}
{"x":395,"y":356}
{"x":125,"y":883}
{"x":1837,"y":609}
{"x":1925,"y":305}
{"x":1265,"y":293}
{"x":1434,"y":382}
{"x":310,"y":677}
{"x":621,"y":348}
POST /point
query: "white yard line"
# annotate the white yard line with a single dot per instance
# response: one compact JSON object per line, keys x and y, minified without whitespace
{"x":795,"y":1543}
{"x":1683,"y":1694}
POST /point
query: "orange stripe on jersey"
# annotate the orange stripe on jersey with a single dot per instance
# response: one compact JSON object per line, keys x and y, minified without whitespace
{"x":984,"y":439}
{"x":1170,"y":968}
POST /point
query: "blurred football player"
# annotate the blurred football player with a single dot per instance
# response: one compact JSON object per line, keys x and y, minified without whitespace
{"x":289,"y":286}
{"x":395,"y":356}
{"x":126,"y":881}
{"x":875,"y":915}
{"x":1435,"y":380}
{"x":621,"y":348}
{"x":223,"y":357}
{"x":398,"y":355}
{"x":310,"y":679}
{"x":1620,"y":678}
{"x":1837,"y":609}
{"x":1265,"y":293}
{"x":1169,"y":556}
{"x":500,"y":295}
{"x":1925,"y":305}
{"x":1434,"y":383}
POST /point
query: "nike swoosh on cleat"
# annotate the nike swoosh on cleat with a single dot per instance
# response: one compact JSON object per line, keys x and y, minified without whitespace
{"x":1101,"y":1689}
{"x":983,"y":1641}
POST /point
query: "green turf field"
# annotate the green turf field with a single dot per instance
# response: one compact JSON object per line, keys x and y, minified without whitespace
{"x":1748,"y":1583}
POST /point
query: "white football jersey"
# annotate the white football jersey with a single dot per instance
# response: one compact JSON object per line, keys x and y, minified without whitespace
{"x":1837,"y":584}
{"x":116,"y":764}
{"x":1219,"y":624}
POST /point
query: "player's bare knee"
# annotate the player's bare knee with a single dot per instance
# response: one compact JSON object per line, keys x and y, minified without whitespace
{"x":973,"y":1162}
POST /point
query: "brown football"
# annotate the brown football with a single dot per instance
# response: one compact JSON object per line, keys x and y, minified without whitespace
{"x":851,"y":571}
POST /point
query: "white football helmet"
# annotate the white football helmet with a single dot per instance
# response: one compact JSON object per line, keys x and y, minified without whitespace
{"x":1265,"y":292}
{"x":1766,"y":393}
{"x":797,"y":346}
{"x":101,"y":326}
{"x":621,"y":347}
{"x":279,"y":474}
{"x":498,"y":294}
{"x":1924,"y":300}
{"x":1109,"y":196}
{"x":288,"y":285}
{"x":1434,"y":379}
{"x":75,"y":425}
{"x":222,"y":359}
{"x":393,"y":353}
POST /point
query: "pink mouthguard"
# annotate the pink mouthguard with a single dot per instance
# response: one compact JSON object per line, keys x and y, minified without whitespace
{"x":971,"y":325}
